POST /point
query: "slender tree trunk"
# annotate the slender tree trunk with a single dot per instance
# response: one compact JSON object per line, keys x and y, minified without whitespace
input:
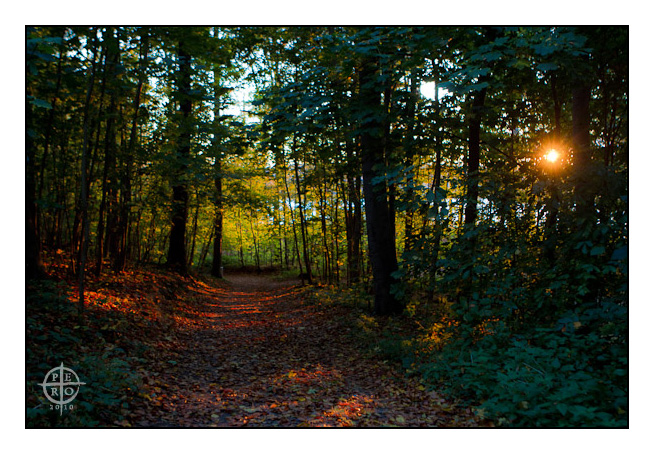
{"x":290,"y":209}
{"x":50,"y":123}
{"x":474,"y":130}
{"x":322,"y":203}
{"x":581,"y":146}
{"x":107,"y":215}
{"x":126,"y":192}
{"x":303,"y":223}
{"x":240,"y":240}
{"x":409,"y":153}
{"x":353,"y":218}
{"x":257,"y":258}
{"x":336,"y":234}
{"x":205,"y":249}
{"x":195,"y":230}
{"x":33,"y":262}
{"x":217,"y":265}
{"x":83,"y":199}
{"x":549,"y":246}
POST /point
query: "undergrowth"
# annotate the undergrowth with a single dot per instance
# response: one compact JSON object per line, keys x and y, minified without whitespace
{"x":570,"y":374}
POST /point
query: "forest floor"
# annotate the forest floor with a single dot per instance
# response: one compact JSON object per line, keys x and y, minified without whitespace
{"x":261,"y":357}
{"x":253,"y":351}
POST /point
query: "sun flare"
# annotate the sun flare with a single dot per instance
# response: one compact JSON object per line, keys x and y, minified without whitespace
{"x":552,"y":155}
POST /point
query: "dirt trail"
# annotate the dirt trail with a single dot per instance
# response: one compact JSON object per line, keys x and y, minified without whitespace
{"x":262,"y":357}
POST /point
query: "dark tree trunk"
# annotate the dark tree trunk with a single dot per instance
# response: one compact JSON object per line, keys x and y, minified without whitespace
{"x":322,"y":205}
{"x":353,"y":222}
{"x":303,"y":224}
{"x":474,"y":130}
{"x":33,"y":262}
{"x":83,"y":199}
{"x":194,"y":233}
{"x":581,"y":149}
{"x":120,"y":259}
{"x":290,"y":209}
{"x":51,"y":117}
{"x":217,"y":265}
{"x":108,"y":215}
{"x":205,"y":249}
{"x":177,"y":245}
{"x":549,"y":245}
{"x":381,"y":242}
{"x":409,"y":153}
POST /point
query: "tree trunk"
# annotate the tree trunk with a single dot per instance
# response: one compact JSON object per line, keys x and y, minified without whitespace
{"x":549,"y":245}
{"x":303,"y":224}
{"x":107,"y":216}
{"x":409,"y":153}
{"x":217,"y":265}
{"x":83,"y":199}
{"x":474,"y":130}
{"x":322,"y":194}
{"x":581,"y":149}
{"x":353,"y":222}
{"x":33,"y":263}
{"x":205,"y":249}
{"x":381,"y":242}
{"x":126,"y":192}
{"x":195,"y":230}
{"x":290,"y":209}
{"x":257,"y":257}
{"x":177,"y":245}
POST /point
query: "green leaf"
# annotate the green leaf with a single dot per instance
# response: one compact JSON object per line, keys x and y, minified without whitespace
{"x":40,"y":103}
{"x":597,"y":250}
{"x":620,"y":253}
{"x":547,"y":67}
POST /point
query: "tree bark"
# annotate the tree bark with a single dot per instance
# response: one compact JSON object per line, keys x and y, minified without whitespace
{"x":217,"y":265}
{"x":33,"y":262}
{"x":353,"y":217}
{"x":126,"y":192}
{"x":303,"y":224}
{"x":290,"y":209}
{"x":409,"y":153}
{"x":177,"y":245}
{"x":581,"y":148}
{"x":381,"y":242}
{"x":474,"y":130}
{"x":107,"y":216}
{"x":83,"y":199}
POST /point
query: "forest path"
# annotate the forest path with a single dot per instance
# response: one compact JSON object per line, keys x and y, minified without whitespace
{"x":263,"y":357}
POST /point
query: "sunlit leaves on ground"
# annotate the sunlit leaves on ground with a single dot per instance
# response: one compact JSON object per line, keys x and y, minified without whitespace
{"x":180,"y":352}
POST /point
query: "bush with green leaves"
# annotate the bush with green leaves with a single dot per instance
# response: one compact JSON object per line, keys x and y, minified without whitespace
{"x":55,"y":335}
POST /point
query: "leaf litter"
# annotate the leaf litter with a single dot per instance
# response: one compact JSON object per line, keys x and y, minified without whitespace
{"x":255,"y":353}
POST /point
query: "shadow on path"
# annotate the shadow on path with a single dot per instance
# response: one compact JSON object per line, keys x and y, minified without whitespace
{"x":263,"y":357}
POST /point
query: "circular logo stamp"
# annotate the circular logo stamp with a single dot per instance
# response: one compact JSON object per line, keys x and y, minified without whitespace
{"x":61,"y":386}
